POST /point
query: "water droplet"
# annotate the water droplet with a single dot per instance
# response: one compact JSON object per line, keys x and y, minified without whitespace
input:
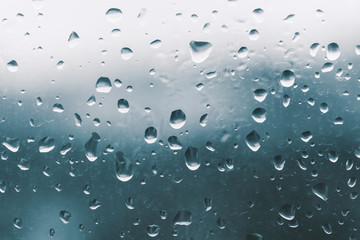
{"x":113,"y":15}
{"x":287,"y":78}
{"x":357,"y":49}
{"x":327,"y":67}
{"x":220,"y":222}
{"x":333,"y":156}
{"x":192,"y":159}
{"x":12,"y":66}
{"x":103,"y":85}
{"x":208,"y":204}
{"x":278,"y":162}
{"x":253,"y":141}
{"x":123,"y":106}
{"x":126,"y":53}
{"x":258,"y":15}
{"x":73,"y":39}
{"x":78,"y":120}
{"x":289,"y":18}
{"x":242,"y":52}
{"x":183,"y":218}
{"x":174,"y":143}
{"x":259,"y":115}
{"x":65,"y":216}
{"x":155,"y":44}
{"x":254,"y":236}
{"x":351,"y":182}
{"x":260,"y":94}
{"x":124,"y":167}
{"x":333,"y":51}
{"x":152,"y":230}
{"x":177,"y":119}
{"x":12,"y":144}
{"x":200,"y":51}
{"x":91,"y":147}
{"x":58,"y":108}
{"x":306,"y":136}
{"x":150,"y":135}
{"x":18,"y":223}
{"x":254,"y":35}
{"x":46,"y":144}
{"x":51,"y":233}
{"x":321,"y":191}
{"x":327,"y":228}
{"x":286,"y":100}
{"x":314,"y":48}
{"x":287,"y":211}
{"x":24,"y":164}
{"x":324,"y":108}
{"x":94,"y":204}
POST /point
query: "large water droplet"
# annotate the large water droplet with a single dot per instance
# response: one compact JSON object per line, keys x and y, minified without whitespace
{"x":183,"y":218}
{"x":287,"y":78}
{"x":306,"y":136}
{"x":103,"y":85}
{"x":327,"y":228}
{"x":65,"y":216}
{"x":287,"y":211}
{"x":126,"y":53}
{"x":113,"y":15}
{"x":259,"y":115}
{"x":253,"y":141}
{"x":278,"y":162}
{"x":254,"y":35}
{"x":123,"y":106}
{"x":11,"y":143}
{"x":200,"y":51}
{"x":12,"y":66}
{"x":174,"y":143}
{"x":124,"y":167}
{"x":321,"y":190}
{"x":192,"y":159}
{"x":73,"y":39}
{"x":242,"y":52}
{"x":152,"y":230}
{"x":333,"y":51}
{"x":150,"y":135}
{"x":91,"y":147}
{"x":260,"y":94}
{"x":258,"y":15}
{"x":177,"y":119}
{"x":46,"y":144}
{"x":314,"y":48}
{"x":58,"y":108}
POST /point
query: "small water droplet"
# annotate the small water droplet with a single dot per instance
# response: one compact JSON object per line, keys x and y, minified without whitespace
{"x":65,"y":216}
{"x":174,"y":143}
{"x":287,"y":78}
{"x":242,"y":52}
{"x":287,"y":211}
{"x":258,"y":15}
{"x":73,"y":39}
{"x":11,"y":143}
{"x":306,"y":136}
{"x":152,"y":230}
{"x":91,"y":147}
{"x":314,"y":48}
{"x":259,"y":115}
{"x":254,"y":35}
{"x":156,"y":44}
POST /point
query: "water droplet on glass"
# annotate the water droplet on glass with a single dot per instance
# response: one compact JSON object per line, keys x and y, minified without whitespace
{"x":183,"y":218}
{"x":208,"y":204}
{"x":258,"y":15}
{"x":12,"y":66}
{"x":321,"y":191}
{"x":174,"y":143}
{"x":259,"y":115}
{"x":123,"y":106}
{"x":314,"y":48}
{"x":306,"y":136}
{"x":192,"y":159}
{"x":58,"y":108}
{"x":150,"y":135}
{"x":78,"y":120}
{"x":278,"y":162}
{"x":103,"y":85}
{"x":254,"y":236}
{"x":46,"y":144}
{"x":73,"y":39}
{"x":155,"y":44}
{"x":287,"y":78}
{"x":200,"y":51}
{"x":203,"y":120}
{"x":327,"y":67}
{"x":287,"y":211}
{"x":113,"y":15}
{"x":18,"y":223}
{"x":152,"y":230}
{"x":357,"y":49}
{"x":242,"y":52}
{"x":91,"y":147}
{"x":253,"y":141}
{"x":333,"y":156}
{"x":51,"y":233}
{"x":94,"y":204}
{"x":286,"y":100}
{"x":177,"y":119}
{"x":11,"y":143}
{"x":327,"y":228}
{"x":126,"y":53}
{"x":24,"y":164}
{"x":254,"y":35}
{"x":124,"y":167}
{"x":260,"y":94}
{"x":65,"y":216}
{"x":333,"y":51}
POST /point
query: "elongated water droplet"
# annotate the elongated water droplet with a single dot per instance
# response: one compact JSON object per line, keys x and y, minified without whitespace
{"x":286,"y":100}
{"x":252,"y":140}
{"x":150,"y":135}
{"x":287,"y":78}
{"x":113,"y":15}
{"x":333,"y":51}
{"x":18,"y":223}
{"x":155,"y":44}
{"x":254,"y":236}
{"x":124,"y":167}
{"x":46,"y":144}
{"x":65,"y":149}
{"x":78,"y":120}
{"x":333,"y":156}
{"x":51,"y":232}
{"x":203,"y":120}
{"x":287,"y":211}
{"x":327,"y":67}
{"x":24,"y":164}
{"x":259,"y":115}
{"x":73,"y":39}
{"x":321,"y":191}
{"x":12,"y":66}
{"x":123,"y":106}
{"x":208,"y":204}
{"x":200,"y":51}
{"x":183,"y":218}
{"x":314,"y":48}
{"x":11,"y":143}
{"x":103,"y":85}
{"x":327,"y":228}
{"x":94,"y":204}
{"x":192,"y":159}
{"x":177,"y":119}
{"x":91,"y":147}
{"x":174,"y":143}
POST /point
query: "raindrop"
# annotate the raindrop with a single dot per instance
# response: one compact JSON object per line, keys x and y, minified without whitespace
{"x":258,"y":15}
{"x":242,"y":52}
{"x":58,"y":108}
{"x":324,"y":108}
{"x":208,"y":204}
{"x":321,"y":191}
{"x":253,"y":141}
{"x":123,"y":106}
{"x":260,"y":94}
{"x":46,"y":144}
{"x":200,"y":51}
{"x":287,"y":211}
{"x":327,"y":228}
{"x":153,"y":230}
{"x":73,"y":39}
{"x":286,"y":100}
{"x":12,"y":66}
{"x":51,"y":233}
{"x":287,"y":78}
{"x":333,"y":51}
{"x":174,"y":143}
{"x":183,"y":218}
{"x":24,"y":164}
{"x":65,"y":216}
{"x":254,"y":236}
{"x":124,"y":167}
{"x":333,"y":156}
{"x":11,"y":143}
{"x":259,"y":115}
{"x":155,"y":44}
{"x":18,"y":223}
{"x":254,"y":35}
{"x":78,"y":120}
{"x":94,"y":204}
{"x":91,"y":147}
{"x":150,"y":135}
{"x":306,"y":136}
{"x":192,"y":159}
{"x":327,"y":67}
{"x":177,"y":119}
{"x":278,"y":163}
{"x":357,"y":49}
{"x":314,"y":48}
{"x":113,"y":15}
{"x":126,"y":53}
{"x":103,"y":85}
